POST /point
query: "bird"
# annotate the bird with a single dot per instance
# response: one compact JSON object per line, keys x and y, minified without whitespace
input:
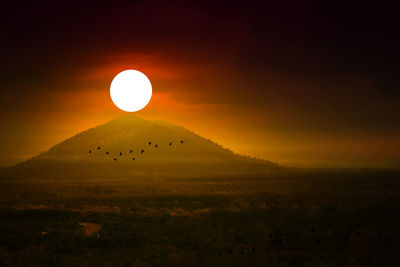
{"x":142,"y":151}
{"x":156,"y":145}
{"x":98,"y":148}
{"x":120,"y":153}
{"x":115,"y":159}
{"x":149,"y":143}
{"x":106,"y":152}
{"x":133,"y":158}
{"x":130,"y":152}
{"x":90,"y":151}
{"x":181,"y":141}
{"x":170,"y":143}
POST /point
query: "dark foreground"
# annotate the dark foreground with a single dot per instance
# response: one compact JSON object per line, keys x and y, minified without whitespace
{"x":319,"y":218}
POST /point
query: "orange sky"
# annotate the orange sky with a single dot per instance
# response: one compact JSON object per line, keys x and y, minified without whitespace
{"x":268,"y":82}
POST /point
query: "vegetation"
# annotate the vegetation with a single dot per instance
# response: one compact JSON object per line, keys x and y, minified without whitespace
{"x":295,"y":218}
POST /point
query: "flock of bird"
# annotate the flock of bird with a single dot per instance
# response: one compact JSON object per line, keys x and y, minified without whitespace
{"x":130,"y":151}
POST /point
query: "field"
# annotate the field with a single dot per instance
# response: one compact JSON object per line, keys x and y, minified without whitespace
{"x":292,"y":218}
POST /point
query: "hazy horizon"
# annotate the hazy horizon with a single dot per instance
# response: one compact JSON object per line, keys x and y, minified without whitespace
{"x":300,"y":164}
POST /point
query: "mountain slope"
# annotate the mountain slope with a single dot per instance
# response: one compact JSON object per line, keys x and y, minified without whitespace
{"x":125,"y":138}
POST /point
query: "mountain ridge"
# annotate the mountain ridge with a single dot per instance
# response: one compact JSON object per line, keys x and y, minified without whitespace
{"x":130,"y":143}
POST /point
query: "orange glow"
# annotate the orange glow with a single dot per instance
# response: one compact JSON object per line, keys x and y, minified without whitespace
{"x":277,"y":125}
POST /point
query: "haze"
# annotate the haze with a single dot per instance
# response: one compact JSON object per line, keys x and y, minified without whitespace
{"x":299,"y":88}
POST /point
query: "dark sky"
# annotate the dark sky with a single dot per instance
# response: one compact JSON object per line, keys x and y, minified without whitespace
{"x":299,"y":82}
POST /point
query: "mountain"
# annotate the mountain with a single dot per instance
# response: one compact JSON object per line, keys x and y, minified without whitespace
{"x":188,"y":153}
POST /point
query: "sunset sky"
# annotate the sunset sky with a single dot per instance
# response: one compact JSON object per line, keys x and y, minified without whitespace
{"x":301,"y":83}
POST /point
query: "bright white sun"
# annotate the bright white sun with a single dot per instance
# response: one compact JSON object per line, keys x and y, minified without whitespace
{"x":130,"y":90}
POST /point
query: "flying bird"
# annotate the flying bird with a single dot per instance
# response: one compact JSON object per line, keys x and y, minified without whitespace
{"x":106,"y":152}
{"x":142,"y":151}
{"x":90,"y":151}
{"x":130,"y":152}
{"x":156,"y":145}
{"x":133,"y":158}
{"x":170,"y":143}
{"x":149,"y":143}
{"x":98,"y":148}
{"x":115,"y":159}
{"x":181,"y":141}
{"x":120,"y":153}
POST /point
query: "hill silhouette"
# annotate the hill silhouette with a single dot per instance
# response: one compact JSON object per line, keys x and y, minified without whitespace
{"x":130,"y":145}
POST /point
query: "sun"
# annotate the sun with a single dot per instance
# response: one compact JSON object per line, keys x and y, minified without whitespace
{"x":130,"y":90}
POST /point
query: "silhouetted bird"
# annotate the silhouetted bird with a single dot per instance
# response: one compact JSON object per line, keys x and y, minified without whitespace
{"x":120,"y":153}
{"x":142,"y":151}
{"x":312,"y":229}
{"x":106,"y":152}
{"x":130,"y":152}
{"x":170,"y":143}
{"x":149,"y":143}
{"x":98,"y":148}
{"x":115,"y":159}
{"x":90,"y":151}
{"x":181,"y":141}
{"x":156,"y":145}
{"x":133,"y":158}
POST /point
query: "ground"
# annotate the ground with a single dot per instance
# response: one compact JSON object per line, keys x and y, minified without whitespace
{"x":296,"y":218}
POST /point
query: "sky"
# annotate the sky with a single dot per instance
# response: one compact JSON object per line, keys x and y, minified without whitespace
{"x":301,"y":83}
